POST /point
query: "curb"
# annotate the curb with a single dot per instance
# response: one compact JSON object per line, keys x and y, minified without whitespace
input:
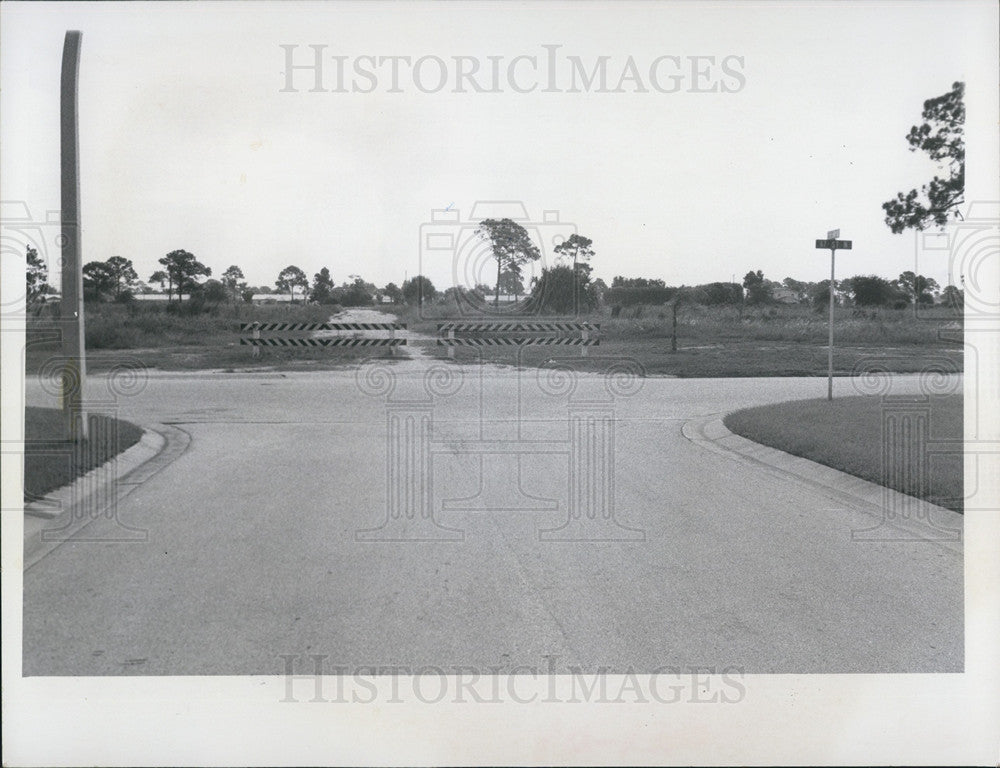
{"x":920,"y":520}
{"x":66,"y":511}
{"x":54,"y":502}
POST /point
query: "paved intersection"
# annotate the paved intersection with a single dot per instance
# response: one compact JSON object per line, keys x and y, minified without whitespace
{"x":252,"y":547}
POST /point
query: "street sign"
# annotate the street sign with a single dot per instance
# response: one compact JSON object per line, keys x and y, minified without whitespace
{"x":834,"y":245}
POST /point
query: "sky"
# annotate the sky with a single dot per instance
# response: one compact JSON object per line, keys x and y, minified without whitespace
{"x":768,"y":124}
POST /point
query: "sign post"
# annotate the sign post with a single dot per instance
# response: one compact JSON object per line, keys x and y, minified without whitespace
{"x":71,"y":307}
{"x":834,"y":245}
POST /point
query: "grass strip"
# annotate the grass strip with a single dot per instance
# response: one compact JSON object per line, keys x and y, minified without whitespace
{"x":51,"y":461}
{"x":847,"y":434}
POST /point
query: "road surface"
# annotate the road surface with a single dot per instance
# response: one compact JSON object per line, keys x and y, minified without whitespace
{"x":272,"y":535}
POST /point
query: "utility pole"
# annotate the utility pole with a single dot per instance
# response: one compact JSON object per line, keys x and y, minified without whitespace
{"x":73,"y":347}
{"x":833,"y":244}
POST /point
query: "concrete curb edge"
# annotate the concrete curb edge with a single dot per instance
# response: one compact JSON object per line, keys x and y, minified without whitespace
{"x":69,"y":509}
{"x":876,"y":501}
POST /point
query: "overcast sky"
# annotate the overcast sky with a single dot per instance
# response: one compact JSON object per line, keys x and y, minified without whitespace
{"x":194,"y":136}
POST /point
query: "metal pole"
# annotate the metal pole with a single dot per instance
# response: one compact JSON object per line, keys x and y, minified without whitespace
{"x":74,"y":352}
{"x":829,"y":389}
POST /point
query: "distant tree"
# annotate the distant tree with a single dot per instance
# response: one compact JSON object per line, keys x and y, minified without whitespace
{"x":843,"y":289}
{"x":798,"y":287}
{"x":214,"y":292}
{"x":232,"y":276}
{"x":561,"y":291}
{"x":636,"y":282}
{"x":356,"y":293}
{"x":37,"y":273}
{"x":290,"y":278}
{"x":917,"y":288}
{"x":511,"y":283}
{"x":232,"y":279}
{"x":162,"y":279}
{"x":322,"y":287}
{"x":802,"y":290}
{"x":393,"y":292}
{"x":510,"y":244}
{"x":122,"y":276}
{"x":471,"y":297}
{"x":184,"y":270}
{"x":759,"y":290}
{"x":718,"y":293}
{"x":631,"y":296}
{"x":600,"y":288}
{"x":871,"y":291}
{"x":577,"y":249}
{"x":356,"y":282}
{"x":819,"y":295}
{"x":418,"y":289}
{"x":942,"y":137}
{"x":98,"y":280}
{"x":951,"y":296}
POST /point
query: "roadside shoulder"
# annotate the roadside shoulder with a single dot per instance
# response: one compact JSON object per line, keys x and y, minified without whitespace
{"x":921,"y":520}
{"x":64,"y":512}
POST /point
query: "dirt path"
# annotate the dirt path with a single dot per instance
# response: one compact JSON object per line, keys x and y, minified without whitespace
{"x":415,"y":342}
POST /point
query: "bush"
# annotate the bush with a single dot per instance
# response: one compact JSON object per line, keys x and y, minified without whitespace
{"x":873,"y":291}
{"x":349,"y":296}
{"x":628,"y":297}
{"x":104,"y":332}
{"x":713,"y":294}
{"x":557,"y":292}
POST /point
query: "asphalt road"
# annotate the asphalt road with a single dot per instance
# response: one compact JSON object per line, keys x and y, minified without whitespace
{"x":255,"y":543}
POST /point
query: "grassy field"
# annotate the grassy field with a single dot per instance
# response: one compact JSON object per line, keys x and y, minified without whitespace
{"x":723,"y":342}
{"x":145,"y":333}
{"x":846,"y":434}
{"x":50,"y":461}
{"x":711,"y":341}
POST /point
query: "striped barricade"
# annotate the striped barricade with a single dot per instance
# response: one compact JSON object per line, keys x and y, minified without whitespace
{"x":556,"y":333}
{"x":257,"y":341}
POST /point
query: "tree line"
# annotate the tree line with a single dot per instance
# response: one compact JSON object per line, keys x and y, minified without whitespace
{"x":182,"y":274}
{"x":567,"y":284}
{"x":871,"y":291}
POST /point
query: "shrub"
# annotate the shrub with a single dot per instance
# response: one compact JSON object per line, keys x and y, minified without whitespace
{"x":630,"y":296}
{"x":872,"y":291}
{"x":558,"y":291}
{"x":713,"y":294}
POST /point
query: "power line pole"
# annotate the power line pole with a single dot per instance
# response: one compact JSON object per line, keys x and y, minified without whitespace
{"x":71,"y":306}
